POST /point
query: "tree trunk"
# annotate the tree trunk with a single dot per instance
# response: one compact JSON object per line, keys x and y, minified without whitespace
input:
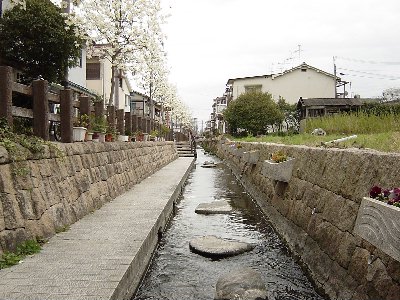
{"x":110,"y":99}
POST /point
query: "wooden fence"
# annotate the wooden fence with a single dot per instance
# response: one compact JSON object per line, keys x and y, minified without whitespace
{"x":41,"y":97}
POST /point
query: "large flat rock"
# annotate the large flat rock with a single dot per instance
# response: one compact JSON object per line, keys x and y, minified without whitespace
{"x":241,"y":284}
{"x":212,"y":246}
{"x":215,"y":207}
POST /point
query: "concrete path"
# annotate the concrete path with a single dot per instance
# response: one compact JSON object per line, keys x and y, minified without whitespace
{"x":103,"y":255}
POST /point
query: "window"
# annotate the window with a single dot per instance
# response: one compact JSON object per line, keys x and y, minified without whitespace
{"x":252,"y":88}
{"x":120,"y":82}
{"x":92,"y":71}
{"x":304,"y":70}
{"x":316,"y":112}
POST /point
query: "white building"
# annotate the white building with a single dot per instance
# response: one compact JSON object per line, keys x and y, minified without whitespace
{"x":302,"y":81}
{"x":98,"y":79}
{"x":4,"y":5}
{"x":219,"y":105}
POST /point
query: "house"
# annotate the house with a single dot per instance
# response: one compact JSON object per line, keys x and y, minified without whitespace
{"x":98,"y":79}
{"x":217,"y":118}
{"x":320,"y":107}
{"x":302,"y":81}
{"x":6,"y":4}
{"x":139,"y":104}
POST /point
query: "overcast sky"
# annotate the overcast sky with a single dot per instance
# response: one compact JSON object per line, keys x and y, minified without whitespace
{"x":210,"y":41}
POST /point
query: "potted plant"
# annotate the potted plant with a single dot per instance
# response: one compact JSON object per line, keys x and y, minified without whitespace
{"x":139,"y":136}
{"x":278,"y":167}
{"x":153,"y":135}
{"x":164,"y":131}
{"x":99,"y":126}
{"x":123,"y":138}
{"x":378,"y":220}
{"x":80,"y":127}
{"x":111,"y":133}
{"x":129,"y":134}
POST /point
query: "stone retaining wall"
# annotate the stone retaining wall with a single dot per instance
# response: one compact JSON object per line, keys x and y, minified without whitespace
{"x":42,"y":195}
{"x":315,"y":212}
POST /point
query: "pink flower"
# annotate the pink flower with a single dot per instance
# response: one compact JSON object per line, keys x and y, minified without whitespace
{"x":375,"y":191}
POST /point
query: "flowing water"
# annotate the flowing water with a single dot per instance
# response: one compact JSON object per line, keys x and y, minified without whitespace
{"x":178,"y":274}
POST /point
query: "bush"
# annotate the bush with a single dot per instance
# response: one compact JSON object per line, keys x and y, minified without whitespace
{"x":253,"y":112}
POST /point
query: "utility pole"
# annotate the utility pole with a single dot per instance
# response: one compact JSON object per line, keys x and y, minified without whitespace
{"x":66,"y":5}
{"x":334,"y":73}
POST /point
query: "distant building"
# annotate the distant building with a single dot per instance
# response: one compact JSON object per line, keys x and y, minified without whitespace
{"x":4,"y":5}
{"x":98,"y":79}
{"x":302,"y":81}
{"x":320,"y":107}
{"x":217,"y":118}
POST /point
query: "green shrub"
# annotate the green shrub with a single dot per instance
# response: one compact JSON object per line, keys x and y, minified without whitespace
{"x":355,"y":123}
{"x":8,"y":259}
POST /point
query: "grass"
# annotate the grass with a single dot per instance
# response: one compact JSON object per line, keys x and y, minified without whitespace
{"x":386,"y":141}
{"x":8,"y":259}
{"x":381,"y":132}
{"x":361,"y":123}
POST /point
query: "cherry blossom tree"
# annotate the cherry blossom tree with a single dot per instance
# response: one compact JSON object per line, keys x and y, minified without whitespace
{"x":391,"y":94}
{"x":121,"y":26}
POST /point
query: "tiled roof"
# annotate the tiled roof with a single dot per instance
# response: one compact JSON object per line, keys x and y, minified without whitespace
{"x":335,"y":101}
{"x":303,"y":65}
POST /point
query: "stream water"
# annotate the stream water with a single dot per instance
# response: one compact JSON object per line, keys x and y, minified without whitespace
{"x":176,"y":273}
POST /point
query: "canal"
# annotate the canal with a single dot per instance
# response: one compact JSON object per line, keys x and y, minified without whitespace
{"x":176,"y":273}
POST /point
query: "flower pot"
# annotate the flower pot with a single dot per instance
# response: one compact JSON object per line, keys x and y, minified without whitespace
{"x":379,"y":224}
{"x":251,"y":157}
{"x":98,"y":137}
{"x":89,"y":136}
{"x":109,"y":137}
{"x":78,"y":134}
{"x":123,"y":138}
{"x":146,"y":137}
{"x":278,"y":171}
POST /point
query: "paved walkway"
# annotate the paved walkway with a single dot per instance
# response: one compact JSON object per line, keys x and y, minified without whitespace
{"x":103,"y":255}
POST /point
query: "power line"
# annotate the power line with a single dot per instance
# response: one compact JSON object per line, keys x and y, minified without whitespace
{"x":356,"y":75}
{"x":370,"y":61}
{"x":391,"y":77}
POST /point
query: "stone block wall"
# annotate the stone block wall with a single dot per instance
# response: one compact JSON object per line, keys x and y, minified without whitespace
{"x":42,"y":194}
{"x":315,"y":213}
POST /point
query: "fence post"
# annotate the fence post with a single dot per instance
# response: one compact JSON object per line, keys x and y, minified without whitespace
{"x":149,"y":125}
{"x":144,"y":124}
{"x":128,"y":122}
{"x":139,"y":124}
{"x":40,"y":109}
{"x":111,"y":116}
{"x":99,"y":109}
{"x":84,"y":105}
{"x":6,"y":82}
{"x":134,"y":123}
{"x":66,"y":115}
{"x":120,"y":121}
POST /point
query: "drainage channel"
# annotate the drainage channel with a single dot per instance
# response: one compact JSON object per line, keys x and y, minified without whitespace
{"x":176,"y":273}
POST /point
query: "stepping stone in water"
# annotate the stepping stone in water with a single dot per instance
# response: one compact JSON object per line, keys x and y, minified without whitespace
{"x":208,"y":164}
{"x":215,"y":207}
{"x":241,"y":284}
{"x":212,"y":246}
